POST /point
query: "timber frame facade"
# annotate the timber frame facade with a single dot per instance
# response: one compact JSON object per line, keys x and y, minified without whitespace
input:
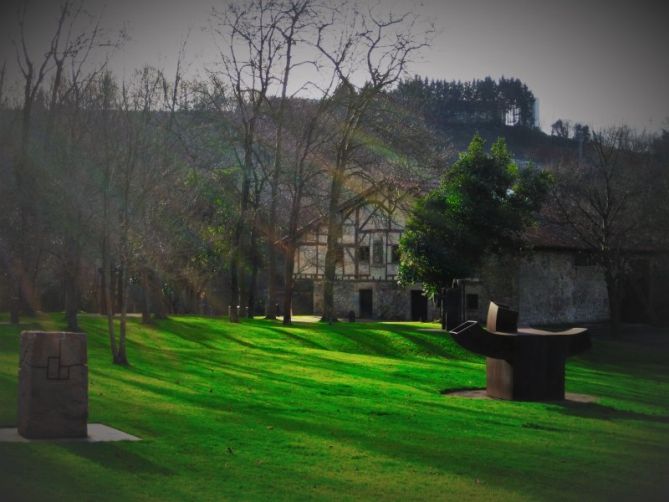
{"x":369,"y":242}
{"x":367,"y":260}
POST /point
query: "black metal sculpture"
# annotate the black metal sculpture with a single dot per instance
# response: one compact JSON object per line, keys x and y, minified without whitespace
{"x":523,"y":364}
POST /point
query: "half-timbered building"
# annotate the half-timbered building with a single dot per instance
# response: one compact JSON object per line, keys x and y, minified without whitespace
{"x":367,"y":260}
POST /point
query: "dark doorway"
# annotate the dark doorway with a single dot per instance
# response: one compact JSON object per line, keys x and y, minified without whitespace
{"x":366,"y":305}
{"x":636,"y":293}
{"x":454,"y":313}
{"x":418,"y":306}
{"x":303,"y":297}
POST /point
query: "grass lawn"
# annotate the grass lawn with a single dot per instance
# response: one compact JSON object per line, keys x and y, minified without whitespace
{"x":345,"y":412}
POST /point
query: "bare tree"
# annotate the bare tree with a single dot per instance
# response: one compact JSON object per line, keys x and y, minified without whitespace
{"x":299,"y":16}
{"x":252,"y":44}
{"x":361,"y":46}
{"x":72,"y":94}
{"x":107,"y":97}
{"x":601,"y":204}
{"x":141,"y":170}
{"x":33,"y":73}
{"x":76,"y":35}
{"x":309,"y":135}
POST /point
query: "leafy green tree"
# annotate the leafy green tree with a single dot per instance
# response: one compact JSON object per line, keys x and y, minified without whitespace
{"x":482,"y":206}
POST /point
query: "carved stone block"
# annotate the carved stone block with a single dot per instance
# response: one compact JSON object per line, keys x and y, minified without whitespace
{"x":53,"y":385}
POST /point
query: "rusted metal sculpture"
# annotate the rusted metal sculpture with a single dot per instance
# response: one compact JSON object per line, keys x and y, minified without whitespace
{"x":523,"y":364}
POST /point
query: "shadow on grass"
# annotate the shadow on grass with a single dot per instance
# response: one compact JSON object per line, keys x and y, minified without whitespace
{"x":435,"y":344}
{"x":303,"y":341}
{"x":117,"y":457}
{"x":8,"y":400}
{"x":393,"y":340}
{"x":567,"y":407}
{"x":601,"y":412}
{"x":387,"y":340}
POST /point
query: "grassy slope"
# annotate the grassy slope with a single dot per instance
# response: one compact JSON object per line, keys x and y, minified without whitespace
{"x":345,"y":412}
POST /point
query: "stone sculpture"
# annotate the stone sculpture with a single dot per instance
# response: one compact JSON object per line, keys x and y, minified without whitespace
{"x":53,"y":385}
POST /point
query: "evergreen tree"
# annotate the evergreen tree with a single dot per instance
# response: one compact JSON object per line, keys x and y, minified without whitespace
{"x":483,"y":205}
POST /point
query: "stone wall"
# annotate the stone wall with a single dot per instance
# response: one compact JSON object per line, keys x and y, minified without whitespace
{"x":389,"y":300}
{"x":659,"y":290}
{"x":590,"y":297}
{"x":499,"y":283}
{"x":553,"y":289}
{"x":547,"y":287}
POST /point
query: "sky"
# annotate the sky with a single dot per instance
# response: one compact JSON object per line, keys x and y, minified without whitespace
{"x":602,"y":63}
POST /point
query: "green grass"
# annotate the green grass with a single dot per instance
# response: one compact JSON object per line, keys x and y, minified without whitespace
{"x":345,"y":412}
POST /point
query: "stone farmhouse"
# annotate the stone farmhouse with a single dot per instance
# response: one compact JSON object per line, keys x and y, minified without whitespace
{"x":554,"y":283}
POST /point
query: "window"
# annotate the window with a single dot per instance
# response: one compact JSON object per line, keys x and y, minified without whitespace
{"x":395,"y":253}
{"x":363,"y":254}
{"x":378,"y":252}
{"x":339,"y":256}
{"x":472,"y":302}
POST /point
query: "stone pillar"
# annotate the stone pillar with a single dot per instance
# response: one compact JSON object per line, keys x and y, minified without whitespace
{"x":233,"y":313}
{"x":53,"y":385}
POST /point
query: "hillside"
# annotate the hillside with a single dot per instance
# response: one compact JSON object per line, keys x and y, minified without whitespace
{"x":524,"y":143}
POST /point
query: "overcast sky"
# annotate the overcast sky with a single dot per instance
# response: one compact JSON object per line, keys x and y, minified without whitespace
{"x":593,"y":61}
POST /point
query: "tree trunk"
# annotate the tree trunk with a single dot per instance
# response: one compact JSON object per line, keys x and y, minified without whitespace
{"x":15,"y":294}
{"x":21,"y":173}
{"x":252,"y":290}
{"x":26,"y":192}
{"x":100,"y":292}
{"x":289,"y":282}
{"x":158,"y":301}
{"x":254,"y":256}
{"x":442,"y":307}
{"x":278,"y":145}
{"x":119,"y":287}
{"x":270,"y":310}
{"x":146,"y":296}
{"x":107,"y":292}
{"x":614,"y":294}
{"x":121,"y":356}
{"x":354,"y":111}
{"x":71,"y":305}
{"x":334,"y":228}
{"x":107,"y":172}
{"x":234,"y":288}
{"x":15,"y":307}
{"x":236,"y":270}
{"x":72,"y":264}
{"x":244,"y":280}
{"x":289,"y":265}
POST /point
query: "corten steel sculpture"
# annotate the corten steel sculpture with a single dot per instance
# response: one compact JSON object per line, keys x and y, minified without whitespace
{"x":523,"y":364}
{"x":53,"y":385}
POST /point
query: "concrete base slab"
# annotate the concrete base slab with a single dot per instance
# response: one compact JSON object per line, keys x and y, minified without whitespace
{"x":481,"y":394}
{"x":97,"y":433}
